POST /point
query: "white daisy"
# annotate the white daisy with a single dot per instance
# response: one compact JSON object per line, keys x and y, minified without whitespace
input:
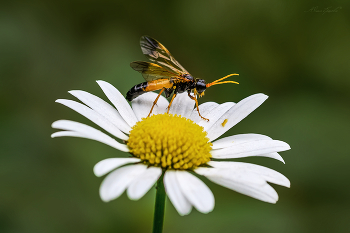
{"x":181,"y":146}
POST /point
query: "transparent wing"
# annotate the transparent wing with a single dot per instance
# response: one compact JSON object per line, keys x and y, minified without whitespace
{"x":157,"y":53}
{"x":151,"y":71}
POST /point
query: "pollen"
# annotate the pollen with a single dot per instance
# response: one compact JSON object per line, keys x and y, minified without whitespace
{"x":224,"y":123}
{"x":170,"y":142}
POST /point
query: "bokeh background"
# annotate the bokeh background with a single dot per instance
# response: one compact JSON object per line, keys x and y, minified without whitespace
{"x":297,"y":56}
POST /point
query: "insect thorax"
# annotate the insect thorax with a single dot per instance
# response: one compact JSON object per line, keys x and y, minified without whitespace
{"x":182,"y":85}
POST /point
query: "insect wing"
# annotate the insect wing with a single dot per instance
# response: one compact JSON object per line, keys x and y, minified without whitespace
{"x":157,"y":53}
{"x":151,"y":71}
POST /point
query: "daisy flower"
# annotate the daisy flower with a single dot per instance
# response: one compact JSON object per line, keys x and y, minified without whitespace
{"x":175,"y":148}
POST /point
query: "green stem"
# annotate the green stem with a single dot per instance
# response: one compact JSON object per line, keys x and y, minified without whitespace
{"x":159,"y":207}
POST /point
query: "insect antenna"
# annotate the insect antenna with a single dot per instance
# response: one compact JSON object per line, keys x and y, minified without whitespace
{"x":218,"y":81}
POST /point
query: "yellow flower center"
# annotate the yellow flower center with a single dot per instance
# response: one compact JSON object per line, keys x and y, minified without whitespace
{"x":169,"y":141}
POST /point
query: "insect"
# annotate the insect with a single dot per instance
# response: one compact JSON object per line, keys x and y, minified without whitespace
{"x":167,"y":75}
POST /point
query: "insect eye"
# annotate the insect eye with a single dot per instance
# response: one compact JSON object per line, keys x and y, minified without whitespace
{"x":200,"y":85}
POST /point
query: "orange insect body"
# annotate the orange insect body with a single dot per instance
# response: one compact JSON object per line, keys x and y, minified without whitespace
{"x":158,"y":84}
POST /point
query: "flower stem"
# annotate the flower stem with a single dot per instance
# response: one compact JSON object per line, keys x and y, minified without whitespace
{"x":159,"y":206}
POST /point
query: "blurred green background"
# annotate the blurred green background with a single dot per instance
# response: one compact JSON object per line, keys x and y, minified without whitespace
{"x":300,"y":58}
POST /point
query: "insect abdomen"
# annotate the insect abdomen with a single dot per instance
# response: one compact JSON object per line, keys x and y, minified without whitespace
{"x":136,"y":90}
{"x":141,"y":88}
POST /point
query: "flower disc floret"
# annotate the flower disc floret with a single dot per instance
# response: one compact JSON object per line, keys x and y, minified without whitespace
{"x":170,"y":141}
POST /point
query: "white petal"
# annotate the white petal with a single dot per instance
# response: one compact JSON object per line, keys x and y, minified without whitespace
{"x":227,"y":173}
{"x":103,"y":108}
{"x":85,"y":131}
{"x":94,"y":117}
{"x":264,"y":193}
{"x":119,"y":102}
{"x":140,"y":186}
{"x":107,"y":165}
{"x":111,"y":142}
{"x":273,"y":155}
{"x":196,"y":191}
{"x":242,"y":182}
{"x":250,"y":148}
{"x":142,"y":105}
{"x":119,"y":180}
{"x":204,"y":109}
{"x":215,"y":115}
{"x":173,"y":190}
{"x":267,"y":174}
{"x":236,"y":139}
{"x":182,"y":105}
{"x":238,"y":112}
{"x":67,"y":134}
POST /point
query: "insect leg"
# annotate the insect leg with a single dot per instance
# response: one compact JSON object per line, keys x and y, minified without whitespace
{"x":172,"y":98}
{"x":195,"y":99}
{"x":155,"y":101}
